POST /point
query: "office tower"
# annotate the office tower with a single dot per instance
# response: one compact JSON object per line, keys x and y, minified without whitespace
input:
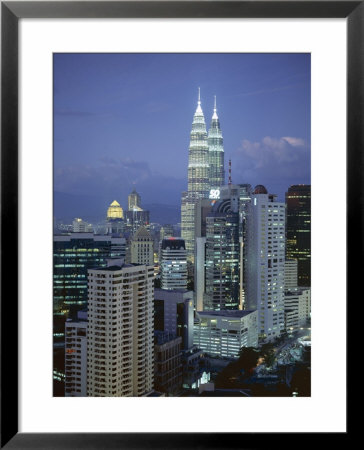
{"x":142,"y":247}
{"x":115,"y":211}
{"x":167,"y":363}
{"x":222,"y":257}
{"x":224,"y":333}
{"x":166,"y":231}
{"x":290,"y":274}
{"x":173,"y":262}
{"x":76,"y":358}
{"x":134,"y":200}
{"x":120,"y":349}
{"x":135,"y":219}
{"x":73,"y":254}
{"x":114,"y":219}
{"x":80,"y":226}
{"x":297,"y":308}
{"x":200,"y":273}
{"x":216,"y":153}
{"x":298,"y":230}
{"x":173,"y":313}
{"x":265,"y":244}
{"x":198,"y":179}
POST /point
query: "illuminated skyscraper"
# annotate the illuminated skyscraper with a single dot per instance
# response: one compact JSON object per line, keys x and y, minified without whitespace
{"x":216,"y":152}
{"x":222,"y":257}
{"x":120,"y":350}
{"x":265,"y":256}
{"x":134,"y":200}
{"x":173,"y":264}
{"x":298,"y":232}
{"x":198,"y":178}
{"x":142,"y":247}
{"x":115,"y":211}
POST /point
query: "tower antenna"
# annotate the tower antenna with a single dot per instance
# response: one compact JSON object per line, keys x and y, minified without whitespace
{"x":230,"y":172}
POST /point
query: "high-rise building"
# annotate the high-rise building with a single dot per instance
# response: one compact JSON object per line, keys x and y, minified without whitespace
{"x":80,"y":226}
{"x":222,"y":274}
{"x":224,"y":333}
{"x":73,"y":254}
{"x":216,"y":153}
{"x":290,"y":274}
{"x":173,"y":263}
{"x":167,"y":363}
{"x":166,"y":231}
{"x":298,"y":230}
{"x":142,"y":247}
{"x":297,"y":308}
{"x":120,"y":348}
{"x":265,"y":245}
{"x":114,"y":219}
{"x":198,"y":179}
{"x":135,"y":219}
{"x":134,"y":200}
{"x":173,"y":313}
{"x":76,"y":358}
{"x":115,"y":211}
{"x":200,"y":273}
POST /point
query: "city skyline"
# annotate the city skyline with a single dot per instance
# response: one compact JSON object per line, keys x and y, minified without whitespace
{"x":105,"y":144}
{"x":201,"y":305}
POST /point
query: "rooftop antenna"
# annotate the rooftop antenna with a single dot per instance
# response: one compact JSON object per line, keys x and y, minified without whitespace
{"x":230,"y":172}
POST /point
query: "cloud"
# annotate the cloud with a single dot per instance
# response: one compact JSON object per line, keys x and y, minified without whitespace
{"x":115,"y":178}
{"x":279,"y":161}
{"x":295,"y":142}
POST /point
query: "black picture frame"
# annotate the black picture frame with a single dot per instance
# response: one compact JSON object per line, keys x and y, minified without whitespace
{"x":11,"y":12}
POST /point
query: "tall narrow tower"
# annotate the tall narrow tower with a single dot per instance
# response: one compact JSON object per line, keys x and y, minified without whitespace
{"x":216,"y":152}
{"x":198,"y":178}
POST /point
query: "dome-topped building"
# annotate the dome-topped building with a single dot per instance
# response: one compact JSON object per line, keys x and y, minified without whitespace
{"x":260,"y":189}
{"x":115,"y":211}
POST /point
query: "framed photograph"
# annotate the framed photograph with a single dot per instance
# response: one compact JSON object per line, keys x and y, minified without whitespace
{"x":105,"y":185}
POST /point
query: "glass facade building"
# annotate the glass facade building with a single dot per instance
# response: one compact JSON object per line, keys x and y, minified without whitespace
{"x":222,"y":258}
{"x":173,"y":264}
{"x":298,"y":230}
{"x":73,"y":255}
{"x":198,"y":178}
{"x":216,"y":153}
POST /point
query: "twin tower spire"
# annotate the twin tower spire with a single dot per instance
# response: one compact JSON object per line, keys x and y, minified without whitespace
{"x":205,"y":172}
{"x":206,"y":154}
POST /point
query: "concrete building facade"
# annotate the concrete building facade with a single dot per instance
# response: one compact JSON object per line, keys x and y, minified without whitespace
{"x":120,"y":350}
{"x":265,"y":250}
{"x":224,"y":333}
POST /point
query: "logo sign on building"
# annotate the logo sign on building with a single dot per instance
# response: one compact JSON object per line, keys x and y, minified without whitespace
{"x":214,"y":194}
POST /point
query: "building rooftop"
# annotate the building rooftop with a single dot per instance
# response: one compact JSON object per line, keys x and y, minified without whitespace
{"x":173,"y":243}
{"x":162,"y":337}
{"x":226,"y":313}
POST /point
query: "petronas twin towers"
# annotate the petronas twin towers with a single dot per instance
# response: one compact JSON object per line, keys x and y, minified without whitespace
{"x":205,"y":171}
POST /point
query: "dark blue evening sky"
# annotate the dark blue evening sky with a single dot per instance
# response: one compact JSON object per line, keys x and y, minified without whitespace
{"x":123,"y":120}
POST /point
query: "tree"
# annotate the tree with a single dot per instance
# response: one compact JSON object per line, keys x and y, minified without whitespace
{"x":248,"y":360}
{"x":267,"y":352}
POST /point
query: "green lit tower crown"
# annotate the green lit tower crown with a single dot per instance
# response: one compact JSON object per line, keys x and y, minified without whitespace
{"x":216,"y":153}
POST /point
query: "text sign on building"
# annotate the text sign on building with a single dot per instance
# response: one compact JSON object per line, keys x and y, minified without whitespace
{"x":214,"y":194}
